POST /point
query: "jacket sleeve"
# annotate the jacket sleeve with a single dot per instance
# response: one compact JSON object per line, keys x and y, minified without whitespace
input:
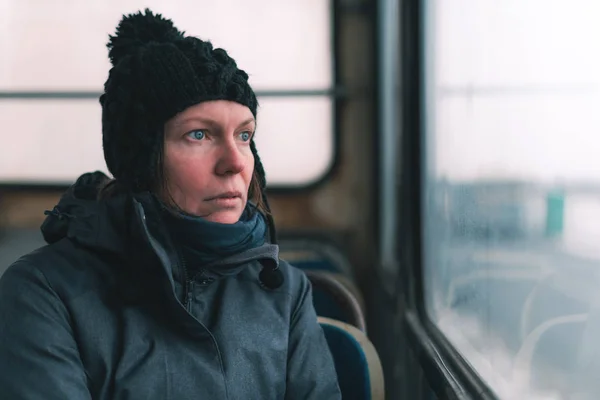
{"x":38,"y":353}
{"x":311,"y":372}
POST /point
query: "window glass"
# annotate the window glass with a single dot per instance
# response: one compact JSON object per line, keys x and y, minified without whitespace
{"x":54,"y":141}
{"x":512,"y":191}
{"x":60,"y":44}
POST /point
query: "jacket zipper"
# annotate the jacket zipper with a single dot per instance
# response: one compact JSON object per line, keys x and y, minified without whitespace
{"x":191,"y":283}
{"x":181,"y":260}
{"x":188,"y":283}
{"x":188,"y":302}
{"x":188,"y":280}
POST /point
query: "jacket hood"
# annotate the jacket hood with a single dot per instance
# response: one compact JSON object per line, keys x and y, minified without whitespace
{"x":108,"y":226}
{"x":81,"y":217}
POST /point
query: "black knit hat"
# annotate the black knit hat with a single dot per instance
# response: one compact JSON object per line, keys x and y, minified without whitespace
{"x":158,"y":72}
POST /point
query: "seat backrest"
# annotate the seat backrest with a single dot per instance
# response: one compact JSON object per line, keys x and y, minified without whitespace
{"x":357,"y":363}
{"x":308,"y":254}
{"x":352,"y":287}
{"x":332,"y":299}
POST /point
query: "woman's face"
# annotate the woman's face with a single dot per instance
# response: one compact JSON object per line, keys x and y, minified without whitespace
{"x":208,"y":162}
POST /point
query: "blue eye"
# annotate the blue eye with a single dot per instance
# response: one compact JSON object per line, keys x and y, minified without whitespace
{"x":245,"y":136}
{"x":197,"y":134}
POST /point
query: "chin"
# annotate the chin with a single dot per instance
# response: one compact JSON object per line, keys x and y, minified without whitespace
{"x":224,"y":217}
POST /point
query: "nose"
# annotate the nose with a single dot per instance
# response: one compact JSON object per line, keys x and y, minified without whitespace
{"x":231,"y":160}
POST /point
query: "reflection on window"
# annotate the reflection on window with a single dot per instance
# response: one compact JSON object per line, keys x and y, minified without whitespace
{"x":61,"y":48}
{"x":512,"y":194}
{"x":293,"y":137}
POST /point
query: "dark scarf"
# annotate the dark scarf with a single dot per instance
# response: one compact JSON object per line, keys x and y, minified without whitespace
{"x":201,"y":242}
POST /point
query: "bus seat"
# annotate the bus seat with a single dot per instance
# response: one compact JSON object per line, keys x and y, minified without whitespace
{"x":359,"y":370}
{"x":333,"y":300}
{"x":315,"y":264}
{"x":312,"y":255}
{"x":351,"y":286}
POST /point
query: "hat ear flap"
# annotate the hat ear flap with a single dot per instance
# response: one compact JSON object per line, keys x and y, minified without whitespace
{"x":258,"y":167}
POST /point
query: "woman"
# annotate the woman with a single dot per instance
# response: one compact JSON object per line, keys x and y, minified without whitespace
{"x":164,"y":283}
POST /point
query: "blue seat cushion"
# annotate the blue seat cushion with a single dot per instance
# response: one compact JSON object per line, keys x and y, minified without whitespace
{"x":326,"y":306}
{"x":316,"y":265}
{"x":350,"y":363}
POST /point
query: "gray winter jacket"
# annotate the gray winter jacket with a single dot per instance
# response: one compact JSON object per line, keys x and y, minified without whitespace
{"x":102,"y":312}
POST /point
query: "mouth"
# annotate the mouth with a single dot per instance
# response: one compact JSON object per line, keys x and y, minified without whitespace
{"x":225,"y":198}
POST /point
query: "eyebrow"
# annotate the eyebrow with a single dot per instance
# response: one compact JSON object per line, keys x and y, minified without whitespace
{"x":209,"y":121}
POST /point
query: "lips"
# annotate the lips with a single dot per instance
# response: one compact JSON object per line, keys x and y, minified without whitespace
{"x":226,"y":196}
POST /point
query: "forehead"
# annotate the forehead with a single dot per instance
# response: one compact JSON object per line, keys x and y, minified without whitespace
{"x":221,"y":112}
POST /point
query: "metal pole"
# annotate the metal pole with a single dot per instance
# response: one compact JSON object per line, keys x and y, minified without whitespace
{"x":388,"y":35}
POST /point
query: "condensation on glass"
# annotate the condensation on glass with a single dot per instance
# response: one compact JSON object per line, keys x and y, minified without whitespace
{"x":60,"y":46}
{"x":512,"y":191}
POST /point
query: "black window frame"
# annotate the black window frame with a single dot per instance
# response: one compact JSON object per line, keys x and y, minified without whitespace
{"x":446,"y":370}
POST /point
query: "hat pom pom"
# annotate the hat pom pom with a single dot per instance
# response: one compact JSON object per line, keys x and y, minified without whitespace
{"x":136,"y":30}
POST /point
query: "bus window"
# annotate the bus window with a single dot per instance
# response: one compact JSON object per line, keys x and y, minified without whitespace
{"x":53,"y":74}
{"x":511,"y":197}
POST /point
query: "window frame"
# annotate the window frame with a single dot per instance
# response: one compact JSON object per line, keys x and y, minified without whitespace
{"x":336,"y":93}
{"x":445,"y":369}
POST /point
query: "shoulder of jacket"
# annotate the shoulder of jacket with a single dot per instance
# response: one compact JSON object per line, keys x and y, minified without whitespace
{"x":66,"y":268}
{"x":295,"y":279}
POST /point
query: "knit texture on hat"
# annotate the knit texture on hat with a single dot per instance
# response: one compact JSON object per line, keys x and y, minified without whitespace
{"x":158,"y":72}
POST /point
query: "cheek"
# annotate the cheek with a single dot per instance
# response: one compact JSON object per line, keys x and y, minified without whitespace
{"x":185,"y":173}
{"x":248,"y":170}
